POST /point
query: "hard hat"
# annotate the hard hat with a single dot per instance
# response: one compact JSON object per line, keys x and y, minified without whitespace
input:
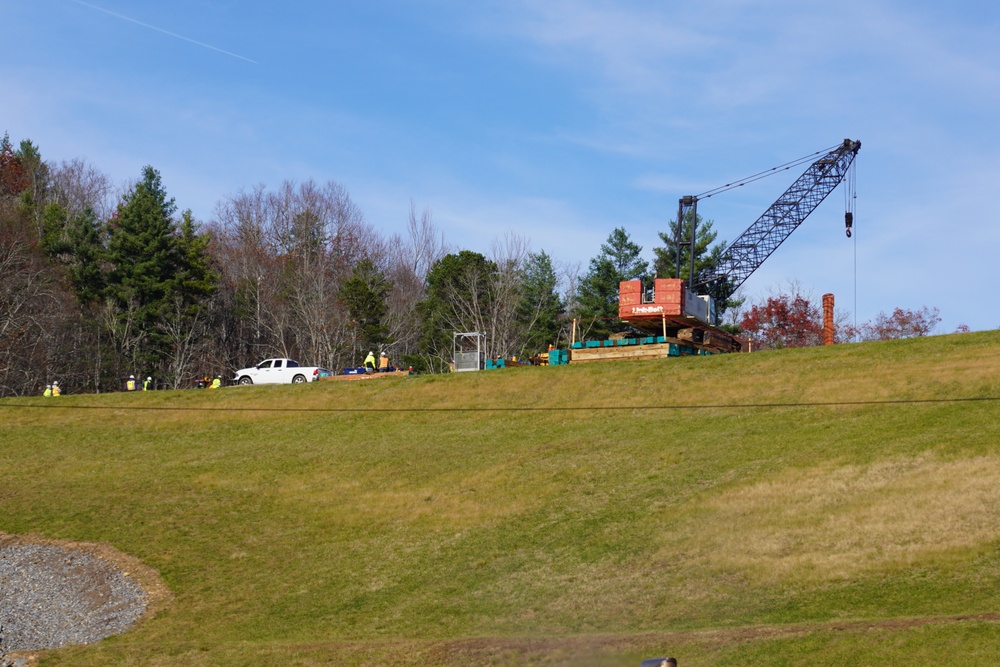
{"x":131,"y":377}
{"x":55,"y":382}
{"x":149,"y":378}
{"x":383,"y":354}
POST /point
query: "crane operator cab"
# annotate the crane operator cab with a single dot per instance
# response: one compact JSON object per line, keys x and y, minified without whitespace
{"x":658,"y":662}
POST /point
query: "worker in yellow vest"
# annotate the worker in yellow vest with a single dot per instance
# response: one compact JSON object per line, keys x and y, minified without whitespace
{"x":56,"y":391}
{"x":130,"y":385}
{"x":48,"y":391}
{"x":370,"y":362}
{"x":216,"y":383}
{"x":147,"y":384}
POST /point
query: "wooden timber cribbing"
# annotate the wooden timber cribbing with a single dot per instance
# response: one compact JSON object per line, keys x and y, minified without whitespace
{"x":633,"y":352}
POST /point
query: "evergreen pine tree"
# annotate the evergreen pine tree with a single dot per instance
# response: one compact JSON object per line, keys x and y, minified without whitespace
{"x":540,"y":307}
{"x":195,"y":280}
{"x":87,"y":257}
{"x":153,"y":269}
{"x":365,"y":294}
{"x":705,"y":254}
{"x":597,"y":296}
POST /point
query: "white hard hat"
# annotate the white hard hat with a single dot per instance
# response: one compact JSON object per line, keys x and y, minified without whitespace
{"x":149,"y":378}
{"x":131,"y":377}
{"x":55,"y":382}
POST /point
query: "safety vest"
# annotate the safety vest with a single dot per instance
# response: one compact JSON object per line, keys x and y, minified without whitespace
{"x":145,"y":385}
{"x":216,"y":383}
{"x":130,"y":385}
{"x":48,"y":392}
{"x":370,"y":361}
{"x":56,"y":390}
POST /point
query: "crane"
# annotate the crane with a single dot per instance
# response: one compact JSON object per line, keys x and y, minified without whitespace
{"x":752,"y":247}
{"x":684,"y":310}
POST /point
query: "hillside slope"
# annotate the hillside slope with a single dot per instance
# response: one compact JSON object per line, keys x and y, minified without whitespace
{"x":803,"y":507}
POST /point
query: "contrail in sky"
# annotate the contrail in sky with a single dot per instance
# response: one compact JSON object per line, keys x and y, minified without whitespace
{"x":166,"y":32}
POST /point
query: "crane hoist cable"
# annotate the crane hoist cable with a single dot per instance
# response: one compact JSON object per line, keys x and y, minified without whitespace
{"x":850,"y":209}
{"x":850,"y":197}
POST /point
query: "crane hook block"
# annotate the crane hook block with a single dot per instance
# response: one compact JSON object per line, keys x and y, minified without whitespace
{"x":848,"y":222}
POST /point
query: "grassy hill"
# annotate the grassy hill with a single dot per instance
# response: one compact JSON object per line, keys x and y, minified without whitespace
{"x":805,"y":507}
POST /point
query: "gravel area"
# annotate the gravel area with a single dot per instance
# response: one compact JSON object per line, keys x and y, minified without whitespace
{"x":54,"y":595}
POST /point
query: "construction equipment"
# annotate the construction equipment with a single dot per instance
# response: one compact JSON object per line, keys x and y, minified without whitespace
{"x":752,"y":247}
{"x":687,"y":312}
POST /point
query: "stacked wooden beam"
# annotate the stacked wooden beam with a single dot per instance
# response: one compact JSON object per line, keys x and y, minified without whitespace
{"x":660,"y":350}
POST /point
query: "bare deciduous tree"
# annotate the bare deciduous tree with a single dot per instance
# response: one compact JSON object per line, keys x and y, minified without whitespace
{"x":186,"y":333}
{"x":32,"y":311}
{"x":502,"y":325}
{"x":76,"y":185}
{"x":408,"y":262}
{"x":285,"y":255}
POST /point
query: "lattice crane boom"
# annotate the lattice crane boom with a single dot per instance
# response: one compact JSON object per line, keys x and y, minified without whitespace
{"x":752,"y":247}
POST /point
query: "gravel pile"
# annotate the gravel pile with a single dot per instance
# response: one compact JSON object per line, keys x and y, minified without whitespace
{"x":51,"y":597}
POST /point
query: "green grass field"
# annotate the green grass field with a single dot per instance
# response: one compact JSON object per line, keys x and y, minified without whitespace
{"x":811,"y":507}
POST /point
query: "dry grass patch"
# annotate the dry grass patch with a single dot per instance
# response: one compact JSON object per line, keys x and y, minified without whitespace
{"x":460,"y":506}
{"x":830,"y":522}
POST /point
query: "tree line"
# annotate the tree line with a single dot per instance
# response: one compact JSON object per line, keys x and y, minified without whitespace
{"x":99,"y":282}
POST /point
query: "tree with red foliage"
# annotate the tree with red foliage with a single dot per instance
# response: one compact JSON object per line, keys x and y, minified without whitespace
{"x":13,"y":178}
{"x":784,"y":320}
{"x":901,"y":324}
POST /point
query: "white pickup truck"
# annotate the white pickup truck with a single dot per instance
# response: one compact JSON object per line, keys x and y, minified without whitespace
{"x":279,"y":371}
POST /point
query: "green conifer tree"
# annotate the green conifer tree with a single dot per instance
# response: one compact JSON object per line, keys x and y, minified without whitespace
{"x":365,"y":294}
{"x":541,"y":307}
{"x":160,"y":272}
{"x":597,"y":296}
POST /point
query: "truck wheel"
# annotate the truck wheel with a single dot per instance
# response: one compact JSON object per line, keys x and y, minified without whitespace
{"x":246,"y":380}
{"x":298,"y":379}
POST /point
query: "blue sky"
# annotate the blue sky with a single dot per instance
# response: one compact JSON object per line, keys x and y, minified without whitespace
{"x":556,"y":121}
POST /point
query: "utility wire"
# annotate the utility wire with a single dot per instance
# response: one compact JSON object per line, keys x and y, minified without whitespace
{"x":592,"y":408}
